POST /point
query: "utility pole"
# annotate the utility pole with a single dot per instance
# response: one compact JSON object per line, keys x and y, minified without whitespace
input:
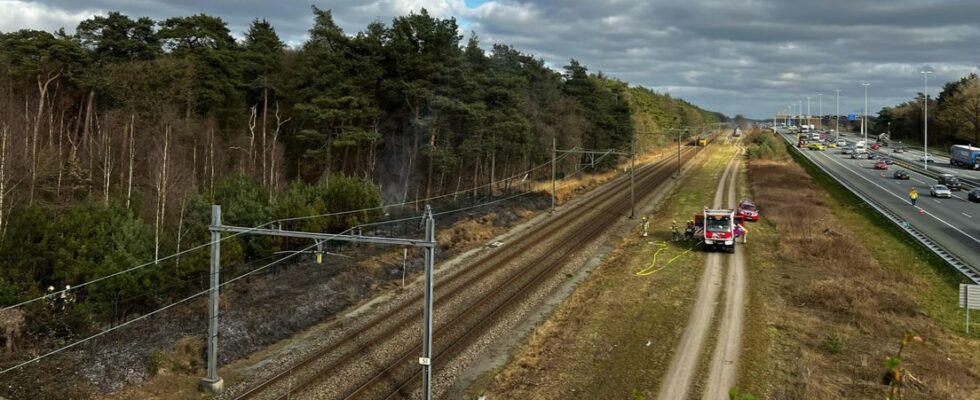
{"x":679,"y":154}
{"x":632,"y":168}
{"x":426,"y":359}
{"x":554,"y":159}
{"x":212,"y":383}
{"x":592,"y":154}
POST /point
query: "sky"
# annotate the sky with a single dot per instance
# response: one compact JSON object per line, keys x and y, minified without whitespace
{"x":751,"y":57}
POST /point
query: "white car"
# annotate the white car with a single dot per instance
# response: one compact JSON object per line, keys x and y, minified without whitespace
{"x":841,"y":143}
{"x":927,"y":158}
{"x":940,"y":191}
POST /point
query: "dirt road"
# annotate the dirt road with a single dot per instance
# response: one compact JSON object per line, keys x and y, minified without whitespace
{"x":677,"y":381}
{"x":724,"y":362}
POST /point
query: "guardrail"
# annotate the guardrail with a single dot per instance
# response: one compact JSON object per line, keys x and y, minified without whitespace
{"x":967,"y":183}
{"x":934,"y":247}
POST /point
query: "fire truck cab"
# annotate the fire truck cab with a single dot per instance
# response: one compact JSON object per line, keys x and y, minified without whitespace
{"x":718,"y":228}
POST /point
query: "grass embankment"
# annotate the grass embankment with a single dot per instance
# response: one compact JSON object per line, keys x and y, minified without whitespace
{"x":833,"y":289}
{"x":613,"y":337}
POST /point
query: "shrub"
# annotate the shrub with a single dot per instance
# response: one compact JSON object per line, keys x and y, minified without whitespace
{"x":833,"y":344}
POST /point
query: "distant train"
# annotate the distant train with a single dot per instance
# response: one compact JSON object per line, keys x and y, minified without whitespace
{"x":703,"y":139}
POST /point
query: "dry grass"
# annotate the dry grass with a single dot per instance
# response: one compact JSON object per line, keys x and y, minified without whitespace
{"x":827,"y":280}
{"x":568,"y":188}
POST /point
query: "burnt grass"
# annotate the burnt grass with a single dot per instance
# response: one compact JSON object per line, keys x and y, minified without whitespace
{"x":263,"y":308}
{"x":842,"y":288}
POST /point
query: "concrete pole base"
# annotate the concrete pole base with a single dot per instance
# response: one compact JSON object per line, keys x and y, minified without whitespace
{"x":212,"y":386}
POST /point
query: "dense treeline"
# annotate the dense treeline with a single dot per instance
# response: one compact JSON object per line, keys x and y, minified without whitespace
{"x":115,"y":140}
{"x":954,"y":115}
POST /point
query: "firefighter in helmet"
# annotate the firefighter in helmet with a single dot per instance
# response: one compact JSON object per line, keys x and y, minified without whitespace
{"x":646,"y":226}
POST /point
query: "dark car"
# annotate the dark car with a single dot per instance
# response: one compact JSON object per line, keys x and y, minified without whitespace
{"x":974,"y":195}
{"x":899,"y":150}
{"x":901,"y":174}
{"x":887,"y":160}
{"x":951,"y":181}
{"x":872,"y":156}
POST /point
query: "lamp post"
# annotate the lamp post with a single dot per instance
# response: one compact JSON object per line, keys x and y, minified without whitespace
{"x":800,"y":107}
{"x":820,"y":109}
{"x":925,"y":121}
{"x":809,"y":116}
{"x":865,"y":121}
{"x":837,"y":117}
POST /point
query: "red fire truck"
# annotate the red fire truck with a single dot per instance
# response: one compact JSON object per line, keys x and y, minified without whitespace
{"x":718,"y":228}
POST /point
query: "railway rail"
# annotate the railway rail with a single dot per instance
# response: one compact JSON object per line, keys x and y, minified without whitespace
{"x":574,"y":227}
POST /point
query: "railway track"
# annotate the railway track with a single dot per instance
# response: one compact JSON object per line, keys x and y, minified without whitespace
{"x":464,"y":310}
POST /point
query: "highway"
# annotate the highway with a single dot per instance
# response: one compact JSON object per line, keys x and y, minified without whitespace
{"x":952,"y":223}
{"x":913,"y":154}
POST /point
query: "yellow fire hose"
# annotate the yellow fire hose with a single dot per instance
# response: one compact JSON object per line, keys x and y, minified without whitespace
{"x":661,"y":246}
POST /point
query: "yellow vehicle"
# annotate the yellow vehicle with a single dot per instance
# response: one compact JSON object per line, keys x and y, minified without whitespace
{"x":816,"y":146}
{"x":832,"y":146}
{"x":703,"y":142}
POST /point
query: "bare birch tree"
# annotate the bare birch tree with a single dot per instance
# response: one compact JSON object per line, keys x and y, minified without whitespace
{"x":132,"y":158}
{"x":42,"y":88}
{"x":161,"y":186}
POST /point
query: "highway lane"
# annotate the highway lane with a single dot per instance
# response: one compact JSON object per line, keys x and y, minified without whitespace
{"x":953,"y":223}
{"x":912,"y":155}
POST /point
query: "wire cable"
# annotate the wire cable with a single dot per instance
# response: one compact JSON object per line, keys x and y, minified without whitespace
{"x":157,"y":311}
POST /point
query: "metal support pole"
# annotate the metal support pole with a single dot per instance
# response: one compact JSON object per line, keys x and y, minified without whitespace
{"x":404,"y":264}
{"x":679,"y":154}
{"x":632,"y":168}
{"x":554,"y":160}
{"x":426,"y":359}
{"x":212,"y":383}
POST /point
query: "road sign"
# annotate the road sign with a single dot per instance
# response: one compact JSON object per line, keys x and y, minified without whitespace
{"x":852,"y":117}
{"x":970,"y":300}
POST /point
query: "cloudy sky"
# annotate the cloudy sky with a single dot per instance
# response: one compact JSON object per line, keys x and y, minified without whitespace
{"x":754,"y":57}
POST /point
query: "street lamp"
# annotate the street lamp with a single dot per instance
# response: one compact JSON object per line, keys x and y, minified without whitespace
{"x":800,"y":107}
{"x":925,"y":121}
{"x":837,"y":116}
{"x":820,"y":109}
{"x":808,"y":115}
{"x":864,"y":124}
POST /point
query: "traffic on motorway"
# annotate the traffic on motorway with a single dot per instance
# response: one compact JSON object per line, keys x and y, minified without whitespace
{"x":950,"y":218}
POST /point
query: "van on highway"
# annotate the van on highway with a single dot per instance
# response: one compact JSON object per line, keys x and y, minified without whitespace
{"x":951,"y":181}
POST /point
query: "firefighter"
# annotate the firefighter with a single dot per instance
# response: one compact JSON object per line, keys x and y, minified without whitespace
{"x":646,"y":226}
{"x":674,"y":231}
{"x":913,"y":196}
{"x":741,"y":231}
{"x":689,"y":230}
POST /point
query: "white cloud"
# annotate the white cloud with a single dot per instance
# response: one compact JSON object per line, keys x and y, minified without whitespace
{"x":16,"y":15}
{"x":716,"y":53}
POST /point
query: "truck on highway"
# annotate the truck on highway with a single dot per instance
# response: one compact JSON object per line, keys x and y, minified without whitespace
{"x":963,"y":155}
